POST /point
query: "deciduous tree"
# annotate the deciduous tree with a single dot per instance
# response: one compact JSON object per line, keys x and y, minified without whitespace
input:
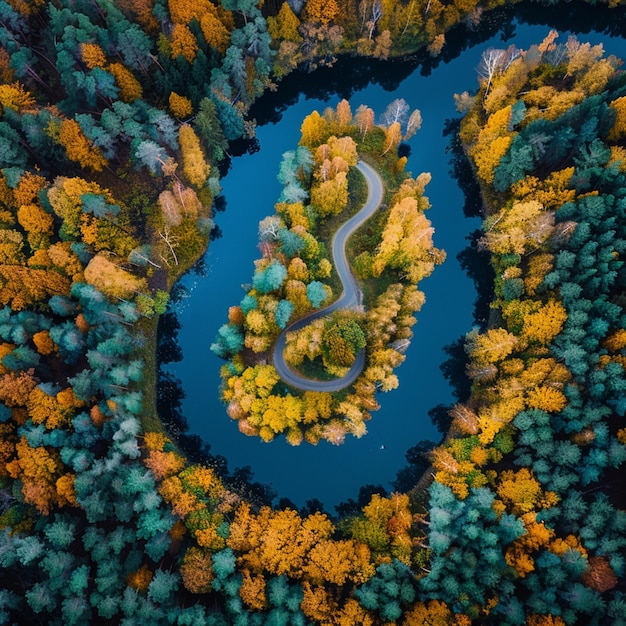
{"x":323,"y":11}
{"x":393,"y":136}
{"x":364,"y":118}
{"x":112,"y":279}
{"x":490,"y":347}
{"x":284,"y":25}
{"x":183,"y":43}
{"x":314,"y":130}
{"x":79,"y":148}
{"x":195,"y":167}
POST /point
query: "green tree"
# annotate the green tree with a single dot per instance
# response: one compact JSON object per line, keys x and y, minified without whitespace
{"x":207,"y":125}
{"x":270,"y":278}
{"x":343,"y":339}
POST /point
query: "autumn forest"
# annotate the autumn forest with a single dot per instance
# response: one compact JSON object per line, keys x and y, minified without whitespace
{"x":117,"y":121}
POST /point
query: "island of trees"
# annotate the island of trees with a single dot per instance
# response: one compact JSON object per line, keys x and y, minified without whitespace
{"x":394,"y":251}
{"x":110,"y":141}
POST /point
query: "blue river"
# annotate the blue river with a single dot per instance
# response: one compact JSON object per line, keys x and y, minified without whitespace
{"x":334,"y":473}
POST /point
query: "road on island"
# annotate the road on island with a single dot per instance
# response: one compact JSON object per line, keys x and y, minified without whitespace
{"x":351,"y":297}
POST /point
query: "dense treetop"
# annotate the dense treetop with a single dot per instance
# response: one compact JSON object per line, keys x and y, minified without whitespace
{"x":114,"y":117}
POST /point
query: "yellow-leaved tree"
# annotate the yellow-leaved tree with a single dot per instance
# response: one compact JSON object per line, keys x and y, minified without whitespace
{"x":130,"y":87}
{"x":111,"y":279}
{"x":407,"y":243}
{"x":180,"y":106}
{"x":492,"y":143}
{"x":284,"y":25}
{"x":195,"y":167}
{"x":323,"y":11}
{"x":79,"y":149}
{"x":15,"y":96}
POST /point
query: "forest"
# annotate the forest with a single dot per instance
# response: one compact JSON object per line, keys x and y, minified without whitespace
{"x":115,"y":121}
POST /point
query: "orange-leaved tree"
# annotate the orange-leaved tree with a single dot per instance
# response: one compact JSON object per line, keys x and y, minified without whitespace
{"x":79,"y":149}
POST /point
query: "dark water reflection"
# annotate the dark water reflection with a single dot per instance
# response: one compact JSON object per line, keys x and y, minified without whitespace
{"x":327,"y":473}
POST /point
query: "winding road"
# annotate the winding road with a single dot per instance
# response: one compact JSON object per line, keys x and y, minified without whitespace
{"x":351,"y":297}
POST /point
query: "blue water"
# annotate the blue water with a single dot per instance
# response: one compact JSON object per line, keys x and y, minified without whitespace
{"x":330,"y":473}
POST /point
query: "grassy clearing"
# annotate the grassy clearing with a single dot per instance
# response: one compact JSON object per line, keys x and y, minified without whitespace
{"x":314,"y":370}
{"x":150,"y":419}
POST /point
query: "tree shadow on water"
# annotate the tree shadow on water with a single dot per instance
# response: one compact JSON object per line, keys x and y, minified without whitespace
{"x":350,"y":74}
{"x":169,"y":398}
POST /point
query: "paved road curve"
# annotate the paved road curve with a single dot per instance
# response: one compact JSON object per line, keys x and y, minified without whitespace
{"x":351,"y":297}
